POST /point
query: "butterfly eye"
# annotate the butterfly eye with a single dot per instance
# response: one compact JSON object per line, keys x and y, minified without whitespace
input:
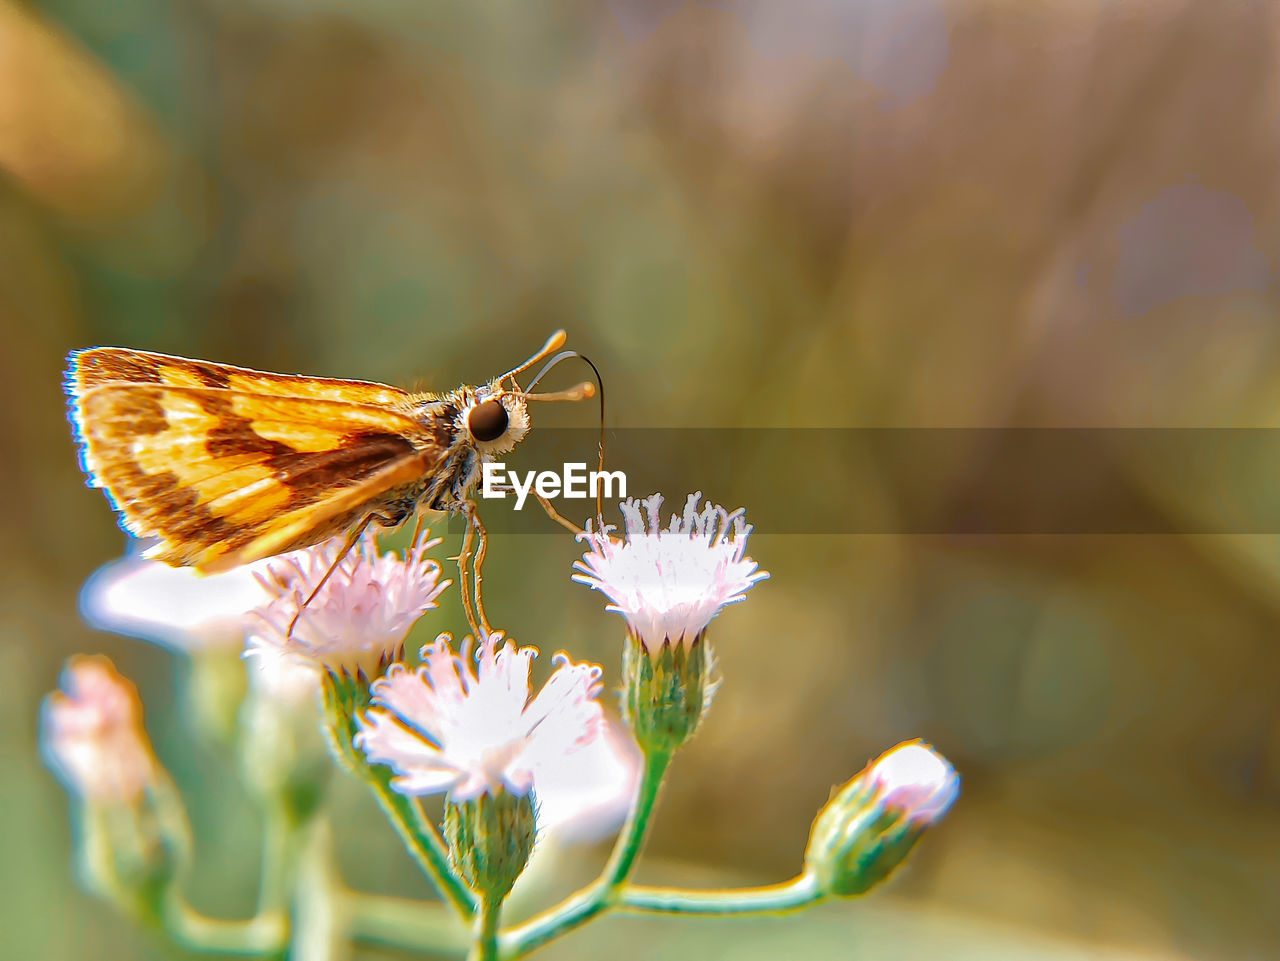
{"x":487,"y":421}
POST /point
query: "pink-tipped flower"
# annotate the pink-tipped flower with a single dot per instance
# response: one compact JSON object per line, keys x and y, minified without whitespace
{"x":358,"y":621}
{"x":449,"y":726}
{"x":871,"y":824}
{"x":92,"y":736}
{"x":915,"y":781}
{"x":668,"y":583}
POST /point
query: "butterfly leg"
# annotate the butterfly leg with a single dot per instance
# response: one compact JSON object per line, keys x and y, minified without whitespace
{"x":353,"y":537}
{"x":475,"y":546}
{"x":465,"y":553}
{"x":556,"y":516}
{"x":482,"y":549}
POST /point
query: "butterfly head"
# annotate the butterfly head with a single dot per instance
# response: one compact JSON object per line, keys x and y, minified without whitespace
{"x":496,"y":416}
{"x":495,"y":419}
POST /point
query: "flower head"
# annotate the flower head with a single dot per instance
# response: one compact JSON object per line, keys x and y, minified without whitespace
{"x":173,"y":606}
{"x":92,"y":736}
{"x":669,"y":583}
{"x":915,"y":781}
{"x":474,"y":730}
{"x":362,"y":613}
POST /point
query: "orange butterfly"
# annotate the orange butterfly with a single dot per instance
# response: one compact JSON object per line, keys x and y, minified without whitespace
{"x":226,"y":465}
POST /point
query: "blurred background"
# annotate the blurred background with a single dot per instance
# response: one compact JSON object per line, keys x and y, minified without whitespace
{"x":852,"y":213}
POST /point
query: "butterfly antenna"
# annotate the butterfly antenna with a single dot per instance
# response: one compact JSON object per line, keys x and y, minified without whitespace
{"x":579,"y":394}
{"x":554,"y":343}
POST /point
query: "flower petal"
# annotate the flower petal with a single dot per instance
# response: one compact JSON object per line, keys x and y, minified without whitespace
{"x":670,"y":583}
{"x":362,"y":612}
{"x":469,"y":727}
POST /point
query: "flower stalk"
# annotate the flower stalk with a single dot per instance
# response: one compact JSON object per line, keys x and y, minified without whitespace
{"x":787,"y":897}
{"x":485,"y":947}
{"x":423,"y":842}
{"x":264,"y":935}
{"x":608,"y":890}
{"x":430,"y":928}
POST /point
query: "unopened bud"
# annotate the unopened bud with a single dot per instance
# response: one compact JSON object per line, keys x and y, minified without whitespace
{"x":283,"y":750}
{"x":871,"y":824}
{"x":131,"y":854}
{"x":133,"y":837}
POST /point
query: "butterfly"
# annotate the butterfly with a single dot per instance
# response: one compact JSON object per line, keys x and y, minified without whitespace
{"x":224,"y":465}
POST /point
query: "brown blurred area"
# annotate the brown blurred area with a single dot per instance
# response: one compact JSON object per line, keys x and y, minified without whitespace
{"x":867,"y":213}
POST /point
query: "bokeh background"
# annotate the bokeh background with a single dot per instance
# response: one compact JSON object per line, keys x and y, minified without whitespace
{"x":852,"y":213}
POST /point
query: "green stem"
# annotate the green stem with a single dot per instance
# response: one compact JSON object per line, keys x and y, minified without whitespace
{"x":424,"y":842}
{"x":402,"y":923}
{"x":282,"y":845}
{"x":630,"y":842}
{"x":485,"y":947}
{"x":319,"y":929}
{"x":794,"y":895}
{"x":577,"y":910}
{"x":265,"y":934}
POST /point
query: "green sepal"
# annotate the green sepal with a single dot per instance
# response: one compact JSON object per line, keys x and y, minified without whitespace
{"x":132,"y":854}
{"x":345,"y":698}
{"x":665,"y":692}
{"x":856,"y":842}
{"x":490,"y":840}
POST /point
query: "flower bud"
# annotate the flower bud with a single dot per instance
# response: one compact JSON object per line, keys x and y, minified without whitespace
{"x":130,"y":855}
{"x":283,"y":750}
{"x":870,"y":825}
{"x":133,"y":838}
{"x":213,"y":693}
{"x":490,"y":839}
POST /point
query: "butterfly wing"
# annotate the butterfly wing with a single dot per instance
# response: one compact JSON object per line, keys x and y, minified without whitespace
{"x":225,"y":476}
{"x":101,"y":366}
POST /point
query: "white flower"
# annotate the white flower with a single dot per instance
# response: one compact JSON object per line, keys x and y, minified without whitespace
{"x":670,"y":583}
{"x":916,"y":781}
{"x":449,"y":726}
{"x":362,"y":614}
{"x":173,"y":606}
{"x":586,"y":795}
{"x":92,"y":736}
